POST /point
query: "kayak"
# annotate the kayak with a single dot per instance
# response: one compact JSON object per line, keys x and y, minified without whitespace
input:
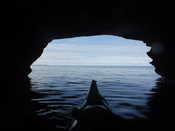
{"x":94,"y":114}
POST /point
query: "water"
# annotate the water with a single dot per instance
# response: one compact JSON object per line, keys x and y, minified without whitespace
{"x":61,"y":88}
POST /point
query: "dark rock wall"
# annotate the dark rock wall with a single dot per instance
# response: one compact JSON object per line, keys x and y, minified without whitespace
{"x":28,"y":26}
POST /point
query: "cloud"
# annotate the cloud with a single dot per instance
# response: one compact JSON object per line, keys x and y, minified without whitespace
{"x":94,"y":51}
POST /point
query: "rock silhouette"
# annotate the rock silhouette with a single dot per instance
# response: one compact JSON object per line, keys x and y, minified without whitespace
{"x":28,"y":27}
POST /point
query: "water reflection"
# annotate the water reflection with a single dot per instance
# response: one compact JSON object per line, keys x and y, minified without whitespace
{"x":160,"y":109}
{"x":34,"y":111}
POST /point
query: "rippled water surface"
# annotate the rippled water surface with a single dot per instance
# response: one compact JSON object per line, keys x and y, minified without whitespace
{"x":60,"y":88}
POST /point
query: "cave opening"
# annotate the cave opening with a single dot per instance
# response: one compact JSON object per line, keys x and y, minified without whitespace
{"x":63,"y":73}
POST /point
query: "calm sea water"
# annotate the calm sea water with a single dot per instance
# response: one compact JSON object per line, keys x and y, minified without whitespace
{"x":61,"y":88}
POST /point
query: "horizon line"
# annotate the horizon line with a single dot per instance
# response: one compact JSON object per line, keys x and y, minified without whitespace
{"x":84,"y":65}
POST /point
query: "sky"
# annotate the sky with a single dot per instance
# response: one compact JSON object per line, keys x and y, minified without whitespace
{"x":95,"y":50}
